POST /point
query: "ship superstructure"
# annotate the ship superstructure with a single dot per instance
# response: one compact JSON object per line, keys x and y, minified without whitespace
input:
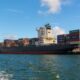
{"x":45,"y":35}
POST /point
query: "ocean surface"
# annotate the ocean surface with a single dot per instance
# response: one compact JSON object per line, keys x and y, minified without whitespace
{"x":39,"y":67}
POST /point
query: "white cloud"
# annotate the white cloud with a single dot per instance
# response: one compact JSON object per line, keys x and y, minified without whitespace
{"x":54,"y":6}
{"x":57,"y":31}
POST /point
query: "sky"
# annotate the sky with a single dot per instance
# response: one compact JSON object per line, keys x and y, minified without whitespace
{"x":20,"y":18}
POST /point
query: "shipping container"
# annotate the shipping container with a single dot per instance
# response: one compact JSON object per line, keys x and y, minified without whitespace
{"x":61,"y":39}
{"x":74,"y":35}
{"x":75,"y":42}
{"x":74,"y":31}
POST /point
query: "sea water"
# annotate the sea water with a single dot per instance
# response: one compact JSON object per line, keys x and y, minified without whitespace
{"x":39,"y":67}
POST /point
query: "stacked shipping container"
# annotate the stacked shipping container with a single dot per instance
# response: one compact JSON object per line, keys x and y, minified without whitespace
{"x":72,"y":38}
{"x":61,"y":39}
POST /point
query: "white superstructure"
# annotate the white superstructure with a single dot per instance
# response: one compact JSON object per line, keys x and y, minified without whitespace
{"x":45,"y":35}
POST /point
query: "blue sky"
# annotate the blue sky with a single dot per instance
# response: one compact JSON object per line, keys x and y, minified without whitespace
{"x":20,"y":18}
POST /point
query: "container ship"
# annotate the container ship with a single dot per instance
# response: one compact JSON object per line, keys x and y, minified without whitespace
{"x":44,"y":44}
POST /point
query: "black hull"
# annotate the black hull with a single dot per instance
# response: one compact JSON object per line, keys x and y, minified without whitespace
{"x":46,"y":49}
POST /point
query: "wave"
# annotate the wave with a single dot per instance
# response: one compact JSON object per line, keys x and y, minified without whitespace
{"x":5,"y":76}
